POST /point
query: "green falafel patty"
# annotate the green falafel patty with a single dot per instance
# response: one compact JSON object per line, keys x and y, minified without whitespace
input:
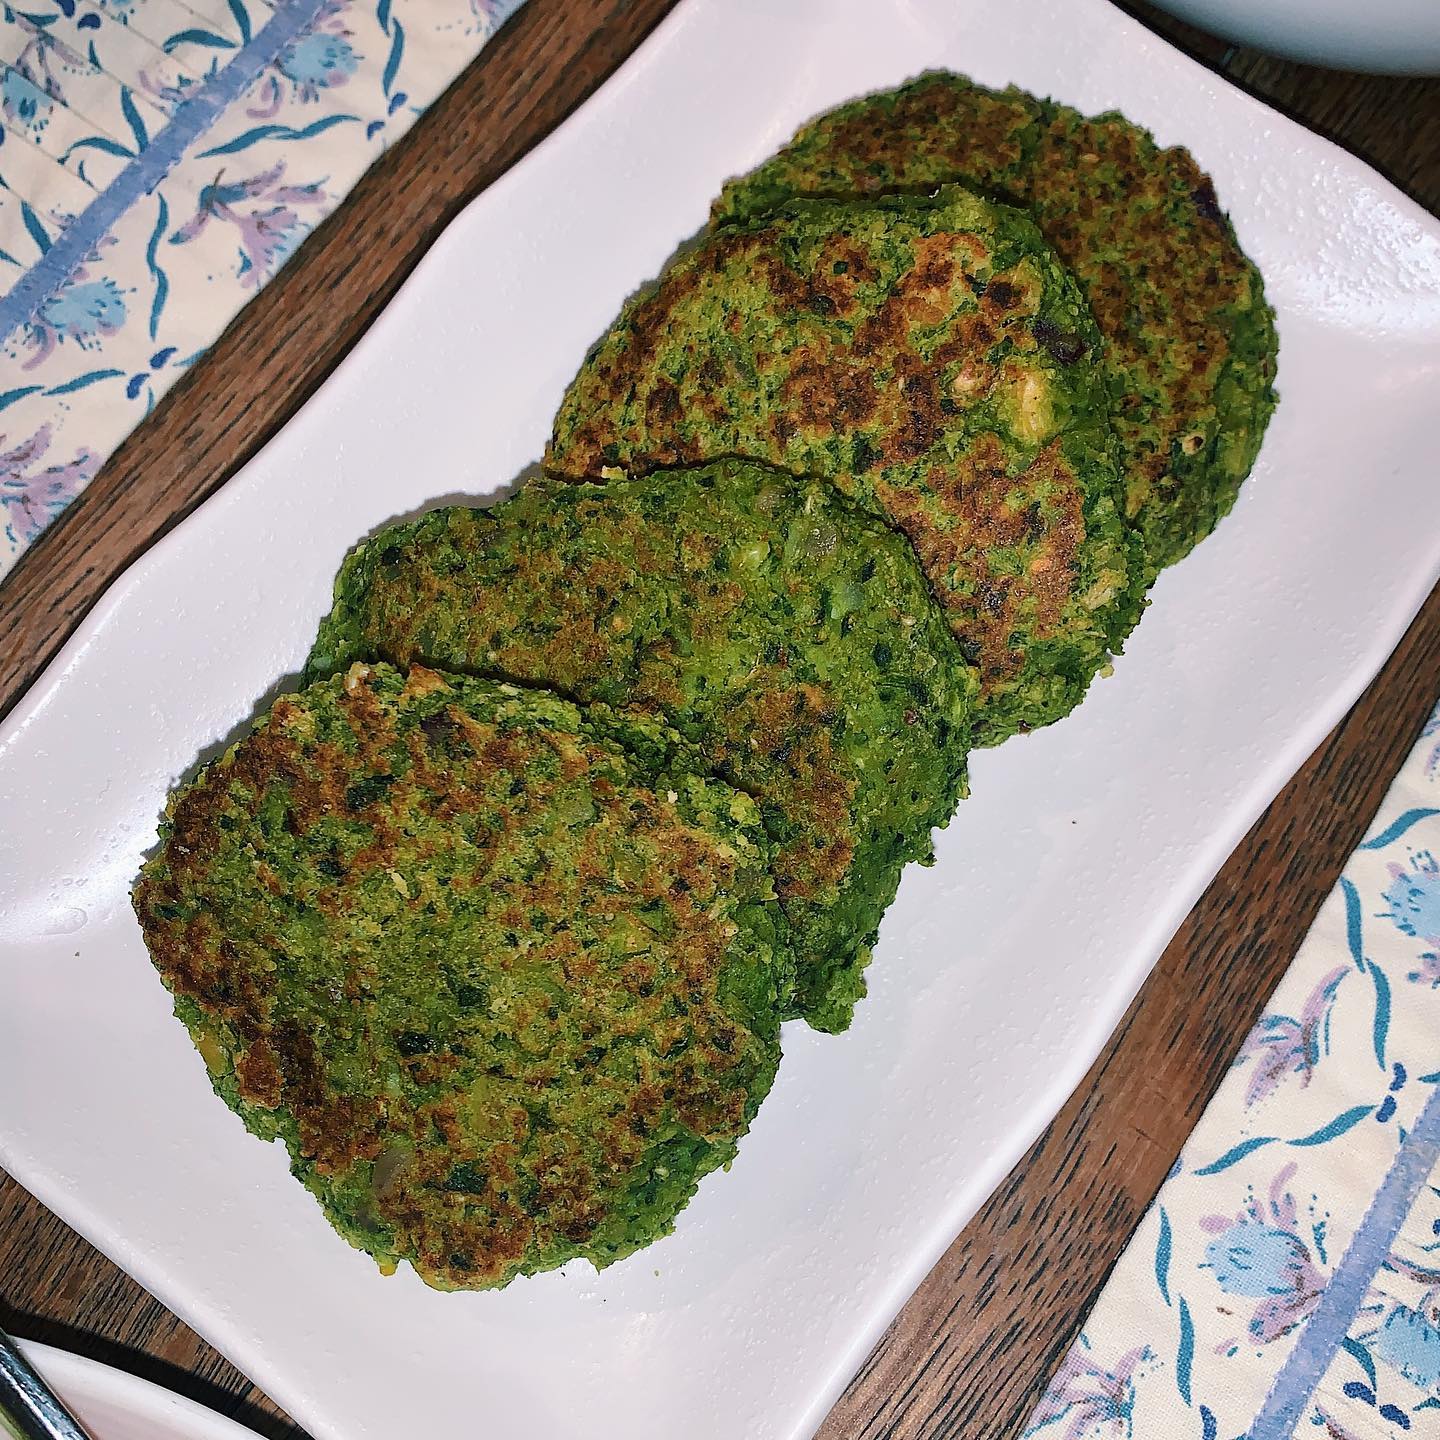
{"x":784,"y":631}
{"x":1190,"y":342}
{"x":929,"y":356}
{"x":505,"y":986}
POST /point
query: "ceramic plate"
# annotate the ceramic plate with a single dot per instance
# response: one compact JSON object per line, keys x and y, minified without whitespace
{"x":1000,"y":971}
{"x":115,"y":1406}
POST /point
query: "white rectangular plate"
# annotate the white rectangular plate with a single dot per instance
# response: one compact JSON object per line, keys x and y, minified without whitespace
{"x":1000,"y":972}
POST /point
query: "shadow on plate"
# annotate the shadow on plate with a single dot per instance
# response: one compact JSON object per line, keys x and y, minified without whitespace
{"x":209,"y":1393}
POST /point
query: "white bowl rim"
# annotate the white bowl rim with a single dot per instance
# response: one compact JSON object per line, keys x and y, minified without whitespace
{"x":81,"y":1381}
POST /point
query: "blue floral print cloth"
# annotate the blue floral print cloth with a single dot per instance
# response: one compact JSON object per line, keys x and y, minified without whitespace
{"x":160,"y":160}
{"x":1286,"y":1281}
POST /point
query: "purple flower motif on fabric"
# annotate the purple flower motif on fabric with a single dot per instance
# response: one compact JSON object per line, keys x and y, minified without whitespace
{"x":167,"y":92}
{"x":326,"y":88}
{"x":320,"y":59}
{"x":32,"y":493}
{"x":24,"y":104}
{"x":85,"y":311}
{"x":1406,"y":1336}
{"x":1281,"y":1045}
{"x":1260,"y":1255}
{"x":1408,"y":1342}
{"x":266,"y":214}
{"x":1087,"y":1401}
{"x":1412,"y":901}
{"x":1333,"y":1430}
{"x":318,"y":62}
{"x":44,"y":60}
{"x":490,"y":13}
{"x":1427,"y":971}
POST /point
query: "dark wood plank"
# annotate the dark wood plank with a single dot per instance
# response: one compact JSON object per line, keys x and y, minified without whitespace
{"x":970,"y":1352}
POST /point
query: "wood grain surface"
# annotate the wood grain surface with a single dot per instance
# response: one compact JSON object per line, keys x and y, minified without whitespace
{"x":973,"y":1347}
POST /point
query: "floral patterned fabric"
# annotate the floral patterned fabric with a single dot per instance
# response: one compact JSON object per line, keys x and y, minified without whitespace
{"x":1286,"y":1281}
{"x":160,"y":160}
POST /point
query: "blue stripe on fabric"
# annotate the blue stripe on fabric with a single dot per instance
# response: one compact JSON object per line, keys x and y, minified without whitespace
{"x":1327,"y":1328}
{"x":190,"y":121}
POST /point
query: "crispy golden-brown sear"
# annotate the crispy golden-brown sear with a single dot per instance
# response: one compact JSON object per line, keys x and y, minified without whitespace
{"x":929,"y":356}
{"x":1190,"y":341}
{"x":506,"y":986}
{"x":788,"y":634}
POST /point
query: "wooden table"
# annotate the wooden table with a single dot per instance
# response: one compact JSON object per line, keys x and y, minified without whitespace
{"x":970,"y":1351}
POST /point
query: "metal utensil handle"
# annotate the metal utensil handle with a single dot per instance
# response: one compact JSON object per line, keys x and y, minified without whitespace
{"x":29,"y":1408}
